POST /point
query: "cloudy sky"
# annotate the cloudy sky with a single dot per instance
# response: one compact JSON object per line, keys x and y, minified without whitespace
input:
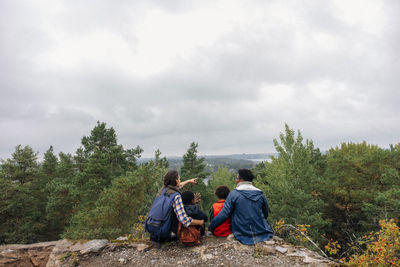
{"x":226,"y":74}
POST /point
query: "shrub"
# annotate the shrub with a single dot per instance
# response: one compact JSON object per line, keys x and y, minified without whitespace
{"x":381,"y":248}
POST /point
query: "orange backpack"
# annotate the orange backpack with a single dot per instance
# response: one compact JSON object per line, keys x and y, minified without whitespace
{"x":189,"y":236}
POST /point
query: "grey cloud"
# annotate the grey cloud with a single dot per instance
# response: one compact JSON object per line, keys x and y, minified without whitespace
{"x":228,"y":96}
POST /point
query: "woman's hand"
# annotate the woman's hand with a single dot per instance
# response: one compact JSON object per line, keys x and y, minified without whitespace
{"x":192,"y":181}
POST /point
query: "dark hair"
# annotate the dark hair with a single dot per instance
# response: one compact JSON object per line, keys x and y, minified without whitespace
{"x":187,"y":197}
{"x":246,"y":175}
{"x":170,"y":178}
{"x":222,"y":192}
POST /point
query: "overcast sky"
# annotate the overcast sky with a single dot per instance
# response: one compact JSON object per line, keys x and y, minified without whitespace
{"x":226,"y":74}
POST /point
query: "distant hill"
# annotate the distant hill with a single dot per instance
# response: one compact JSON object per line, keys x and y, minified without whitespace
{"x":232,"y":162}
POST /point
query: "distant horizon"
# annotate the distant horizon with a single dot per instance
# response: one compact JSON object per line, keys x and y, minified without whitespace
{"x":219,"y":155}
{"x":151,"y":156}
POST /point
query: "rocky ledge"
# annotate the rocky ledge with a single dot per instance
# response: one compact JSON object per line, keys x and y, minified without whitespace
{"x":212,"y":252}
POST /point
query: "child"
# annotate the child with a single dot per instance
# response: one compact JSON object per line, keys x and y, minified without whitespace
{"x":224,"y":229}
{"x":192,"y":209}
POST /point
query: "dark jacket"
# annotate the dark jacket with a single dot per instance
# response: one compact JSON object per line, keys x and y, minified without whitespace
{"x":195,"y":212}
{"x":248,"y":209}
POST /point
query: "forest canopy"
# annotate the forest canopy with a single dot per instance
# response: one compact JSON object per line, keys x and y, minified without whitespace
{"x":102,"y":190}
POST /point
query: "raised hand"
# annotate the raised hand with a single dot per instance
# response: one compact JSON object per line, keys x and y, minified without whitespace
{"x":197,"y":198}
{"x":193,"y":181}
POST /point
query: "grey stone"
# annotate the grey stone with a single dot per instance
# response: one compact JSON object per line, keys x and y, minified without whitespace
{"x":269,"y":242}
{"x":7,"y":251}
{"x":122,"y":238}
{"x":60,"y":248}
{"x":92,"y":246}
{"x":298,"y":254}
{"x":277,"y":238}
{"x":281,"y":249}
{"x":123,"y":260}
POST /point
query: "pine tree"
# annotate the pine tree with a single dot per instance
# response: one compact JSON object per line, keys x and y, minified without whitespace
{"x":291,"y":184}
{"x":23,"y":199}
{"x":131,"y":156}
{"x":22,"y":167}
{"x":62,"y":197}
{"x":100,"y":160}
{"x":101,"y":139}
{"x":161,"y":161}
{"x":192,"y":165}
{"x":361,"y":186}
{"x":50,"y":163}
{"x":195,"y":167}
{"x":118,"y":207}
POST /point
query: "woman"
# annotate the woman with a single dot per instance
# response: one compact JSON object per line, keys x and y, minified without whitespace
{"x":172,"y":183}
{"x":159,"y":223}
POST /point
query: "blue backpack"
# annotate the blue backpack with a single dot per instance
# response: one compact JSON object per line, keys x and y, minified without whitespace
{"x":158,"y":222}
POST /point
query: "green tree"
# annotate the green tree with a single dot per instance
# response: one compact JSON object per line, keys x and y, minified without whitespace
{"x":160,"y":168}
{"x":161,"y":161}
{"x":102,"y":147}
{"x":80,"y":159}
{"x":96,"y":176}
{"x":118,"y":206}
{"x":193,"y":167}
{"x":50,"y":163}
{"x":221,"y":177}
{"x":131,"y":156}
{"x":62,"y":196}
{"x":101,"y":139}
{"x":100,"y":161}
{"x":22,"y":205}
{"x":361,"y":186}
{"x":22,"y":167}
{"x":291,"y":183}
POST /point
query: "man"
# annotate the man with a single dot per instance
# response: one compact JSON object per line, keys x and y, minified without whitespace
{"x":248,"y":209}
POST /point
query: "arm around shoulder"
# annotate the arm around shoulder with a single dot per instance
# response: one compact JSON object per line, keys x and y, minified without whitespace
{"x":197,"y":222}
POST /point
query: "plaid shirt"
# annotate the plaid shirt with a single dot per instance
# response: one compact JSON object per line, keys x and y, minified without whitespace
{"x":180,"y":211}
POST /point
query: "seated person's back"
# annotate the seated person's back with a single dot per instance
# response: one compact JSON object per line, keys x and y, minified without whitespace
{"x":192,"y":209}
{"x":248,"y":209}
{"x":224,"y":229}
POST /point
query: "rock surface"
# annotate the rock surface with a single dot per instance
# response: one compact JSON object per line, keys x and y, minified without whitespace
{"x":26,"y":255}
{"x":89,"y":247}
{"x":212,"y":252}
